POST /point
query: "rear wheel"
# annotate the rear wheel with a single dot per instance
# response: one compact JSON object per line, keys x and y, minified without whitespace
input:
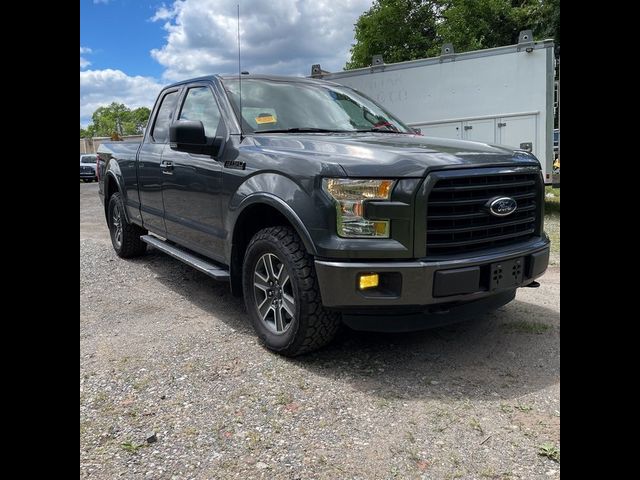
{"x":282,"y":296}
{"x":125,"y":237}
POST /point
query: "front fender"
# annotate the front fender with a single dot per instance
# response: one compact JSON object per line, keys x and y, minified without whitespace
{"x":283,"y":194}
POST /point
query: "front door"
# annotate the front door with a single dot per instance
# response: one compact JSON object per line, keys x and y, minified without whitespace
{"x":191,"y":186}
{"x":150,"y":176}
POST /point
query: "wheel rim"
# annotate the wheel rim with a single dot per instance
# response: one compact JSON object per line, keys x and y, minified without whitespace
{"x":116,"y":225}
{"x":273,"y":293}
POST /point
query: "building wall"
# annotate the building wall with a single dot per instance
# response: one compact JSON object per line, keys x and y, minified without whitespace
{"x":90,"y":145}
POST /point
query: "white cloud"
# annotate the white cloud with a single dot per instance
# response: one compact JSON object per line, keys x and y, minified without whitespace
{"x":163,"y":13}
{"x":101,"y":1}
{"x":101,"y":87}
{"x":279,"y":36}
{"x":84,"y":63}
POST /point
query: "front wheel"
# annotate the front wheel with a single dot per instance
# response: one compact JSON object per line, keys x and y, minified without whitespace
{"x":125,"y":237}
{"x":282,"y":296}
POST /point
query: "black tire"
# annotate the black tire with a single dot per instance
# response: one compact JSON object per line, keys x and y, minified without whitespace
{"x":312,"y":326}
{"x":126,"y":243}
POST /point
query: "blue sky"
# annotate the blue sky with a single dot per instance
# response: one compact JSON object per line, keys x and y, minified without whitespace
{"x":129,"y":49}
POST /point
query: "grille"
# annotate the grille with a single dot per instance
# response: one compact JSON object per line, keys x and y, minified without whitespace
{"x":86,"y":169}
{"x":458,"y":220}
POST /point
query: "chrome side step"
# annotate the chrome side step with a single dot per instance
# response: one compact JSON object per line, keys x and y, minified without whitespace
{"x":218,"y":273}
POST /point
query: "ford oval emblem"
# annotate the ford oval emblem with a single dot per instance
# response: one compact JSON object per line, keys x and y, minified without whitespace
{"x":502,"y":206}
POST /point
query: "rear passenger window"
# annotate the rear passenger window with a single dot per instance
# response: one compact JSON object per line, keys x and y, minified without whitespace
{"x":199,"y":104}
{"x":160,"y":133}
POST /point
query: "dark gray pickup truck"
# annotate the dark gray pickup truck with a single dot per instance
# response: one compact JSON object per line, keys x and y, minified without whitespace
{"x":321,"y":208}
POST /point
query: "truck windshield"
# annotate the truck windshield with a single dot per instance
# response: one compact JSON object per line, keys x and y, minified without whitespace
{"x":88,"y":159}
{"x":289,"y":106}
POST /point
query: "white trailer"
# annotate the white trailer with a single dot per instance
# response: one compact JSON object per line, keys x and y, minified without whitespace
{"x":499,"y":95}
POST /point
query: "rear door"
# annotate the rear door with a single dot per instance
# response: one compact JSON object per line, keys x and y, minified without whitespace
{"x":150,"y":173}
{"x":192,"y":183}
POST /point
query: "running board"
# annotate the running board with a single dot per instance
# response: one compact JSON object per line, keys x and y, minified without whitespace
{"x":214,"y":271}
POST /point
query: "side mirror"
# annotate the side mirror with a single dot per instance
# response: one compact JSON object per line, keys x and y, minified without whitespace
{"x":188,"y":136}
{"x":417,"y":131}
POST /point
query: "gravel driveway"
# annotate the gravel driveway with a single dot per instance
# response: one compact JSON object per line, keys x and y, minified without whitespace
{"x":174,"y":386}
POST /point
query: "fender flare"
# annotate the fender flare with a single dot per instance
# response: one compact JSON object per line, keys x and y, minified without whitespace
{"x":282,"y":207}
{"x":113,"y":171}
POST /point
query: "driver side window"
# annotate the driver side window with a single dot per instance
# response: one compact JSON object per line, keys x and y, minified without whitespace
{"x":199,"y":104}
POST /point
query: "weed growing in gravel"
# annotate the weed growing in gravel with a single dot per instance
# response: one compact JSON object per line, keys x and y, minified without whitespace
{"x":549,"y":450}
{"x":488,"y":473}
{"x":475,"y":424}
{"x":524,"y":408}
{"x":284,"y":398}
{"x":454,"y":475}
{"x":131,"y":447}
{"x":506,"y":408}
{"x":527,"y":327}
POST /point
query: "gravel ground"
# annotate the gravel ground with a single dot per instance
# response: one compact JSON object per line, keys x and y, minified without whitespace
{"x":174,"y":386}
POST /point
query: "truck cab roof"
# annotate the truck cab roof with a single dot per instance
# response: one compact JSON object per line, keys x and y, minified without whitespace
{"x":279,"y":78}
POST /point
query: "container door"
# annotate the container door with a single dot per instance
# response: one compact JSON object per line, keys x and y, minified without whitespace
{"x":443,"y":130}
{"x":480,"y":130}
{"x":519,"y":132}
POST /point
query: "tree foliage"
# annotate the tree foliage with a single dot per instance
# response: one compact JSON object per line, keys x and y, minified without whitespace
{"x":397,"y":29}
{"x":116,"y":120}
{"x":403,"y":30}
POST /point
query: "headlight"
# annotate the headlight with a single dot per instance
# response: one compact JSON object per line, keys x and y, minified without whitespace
{"x":350,"y":195}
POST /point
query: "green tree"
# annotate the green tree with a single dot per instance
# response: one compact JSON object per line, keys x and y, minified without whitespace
{"x":403,"y":30}
{"x":477,"y":24}
{"x":118,"y":119}
{"x":139,"y":118}
{"x":83,"y":133}
{"x":399,"y":30}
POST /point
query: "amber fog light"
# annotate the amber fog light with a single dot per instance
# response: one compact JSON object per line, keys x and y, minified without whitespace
{"x":368,"y":280}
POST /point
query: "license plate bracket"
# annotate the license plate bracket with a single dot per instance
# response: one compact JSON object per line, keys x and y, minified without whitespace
{"x":506,"y":274}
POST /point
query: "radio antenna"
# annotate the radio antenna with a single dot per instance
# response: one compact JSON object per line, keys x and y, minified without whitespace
{"x":239,"y":73}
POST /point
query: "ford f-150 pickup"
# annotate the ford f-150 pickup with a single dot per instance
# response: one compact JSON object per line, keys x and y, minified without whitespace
{"x":321,"y":208}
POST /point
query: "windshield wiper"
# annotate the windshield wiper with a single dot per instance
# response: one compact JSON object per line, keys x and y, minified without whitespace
{"x":380,"y":130}
{"x":303,"y":130}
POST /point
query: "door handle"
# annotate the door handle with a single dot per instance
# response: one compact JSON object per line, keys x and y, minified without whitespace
{"x":166,"y":167}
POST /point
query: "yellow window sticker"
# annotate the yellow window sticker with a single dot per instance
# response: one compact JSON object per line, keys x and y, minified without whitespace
{"x":266,"y":119}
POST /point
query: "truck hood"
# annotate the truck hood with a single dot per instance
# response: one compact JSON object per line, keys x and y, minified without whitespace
{"x":386,"y":154}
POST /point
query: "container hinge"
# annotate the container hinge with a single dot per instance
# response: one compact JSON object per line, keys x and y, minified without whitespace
{"x":447,"y":53}
{"x":525,"y":41}
{"x":377,"y":61}
{"x":317,"y":72}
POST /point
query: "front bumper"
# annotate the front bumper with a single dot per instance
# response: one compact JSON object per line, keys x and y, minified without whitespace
{"x":427,"y":282}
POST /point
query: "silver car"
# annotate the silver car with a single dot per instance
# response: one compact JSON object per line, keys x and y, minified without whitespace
{"x":88,"y":167}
